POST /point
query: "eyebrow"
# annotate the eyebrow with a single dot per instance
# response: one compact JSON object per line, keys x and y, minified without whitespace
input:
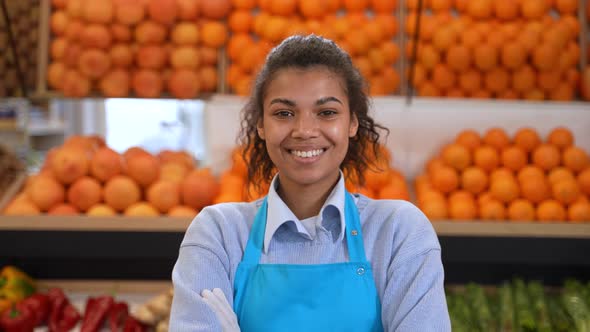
{"x":291,"y":103}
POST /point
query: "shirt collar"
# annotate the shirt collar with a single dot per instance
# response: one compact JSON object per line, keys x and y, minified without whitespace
{"x":279,"y":213}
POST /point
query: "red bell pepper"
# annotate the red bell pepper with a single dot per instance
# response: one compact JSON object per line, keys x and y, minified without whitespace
{"x":96,"y":313}
{"x":117,"y":316}
{"x":133,"y":325}
{"x":40,"y":307}
{"x":19,"y":318}
{"x":64,"y":315}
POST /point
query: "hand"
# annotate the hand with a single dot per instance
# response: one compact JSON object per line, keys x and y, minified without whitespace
{"x":225,"y":314}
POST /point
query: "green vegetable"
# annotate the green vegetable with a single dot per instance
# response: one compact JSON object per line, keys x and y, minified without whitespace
{"x":481,"y":315}
{"x":537,"y":299}
{"x":560,"y":320}
{"x":576,"y":307}
{"x":525,"y":319}
{"x":506,"y":309}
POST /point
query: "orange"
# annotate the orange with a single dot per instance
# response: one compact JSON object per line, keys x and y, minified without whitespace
{"x":521,"y":210}
{"x":560,"y":173}
{"x":497,"y":138}
{"x":545,"y":56}
{"x":443,"y":38}
{"x":561,"y":137}
{"x":434,"y":163}
{"x":383,"y":6}
{"x":460,"y":195}
{"x":530,"y":172}
{"x":199,"y":188}
{"x":523,"y":79}
{"x":514,"y":158}
{"x":471,"y":38}
{"x":535,"y":190}
{"x":456,"y":156}
{"x":579,"y":211}
{"x":563,"y":92}
{"x":565,"y":191}
{"x":445,"y":179}
{"x":567,"y":6}
{"x":484,"y":198}
{"x":551,"y":210}
{"x":374,"y":32}
{"x":240,"y":21}
{"x":120,"y":192}
{"x":393,"y":191}
{"x":283,"y":8}
{"x":486,"y":157}
{"x":575,"y":158}
{"x":441,"y":5}
{"x":506,"y":9}
{"x":548,"y":80}
{"x":443,"y":77}
{"x":458,"y":57}
{"x":497,"y":80}
{"x":470,"y":80}
{"x":485,"y":56}
{"x":244,"y":4}
{"x":213,"y":34}
{"x":492,"y":210}
{"x":355,"y":5}
{"x":428,"y":89}
{"x":237,"y":43}
{"x":480,"y":9}
{"x":527,"y":139}
{"x":163,"y":195}
{"x":469,"y":138}
{"x":504,"y":189}
{"x":533,"y":9}
{"x":534,"y":94}
{"x":514,"y":54}
{"x":474,"y":180}
{"x":463,"y":209}
{"x":428,"y":56}
{"x":584,"y":181}
{"x":435,"y":209}
{"x":546,"y":156}
{"x":390,"y":51}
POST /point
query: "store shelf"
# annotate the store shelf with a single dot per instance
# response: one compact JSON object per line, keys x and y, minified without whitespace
{"x":94,"y":224}
{"x":47,"y":128}
{"x":475,"y":228}
{"x":478,"y":228}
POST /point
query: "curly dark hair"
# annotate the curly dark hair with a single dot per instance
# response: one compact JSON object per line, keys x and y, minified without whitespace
{"x":304,"y":52}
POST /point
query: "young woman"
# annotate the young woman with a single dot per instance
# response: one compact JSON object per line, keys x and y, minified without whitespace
{"x":309,"y":256}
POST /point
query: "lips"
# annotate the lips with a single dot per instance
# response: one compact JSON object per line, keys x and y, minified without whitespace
{"x":307,"y":153}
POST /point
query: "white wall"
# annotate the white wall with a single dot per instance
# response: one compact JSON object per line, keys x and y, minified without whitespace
{"x":419,"y":130}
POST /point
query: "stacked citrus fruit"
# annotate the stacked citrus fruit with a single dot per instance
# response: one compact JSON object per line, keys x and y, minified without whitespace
{"x":364,"y":28}
{"x":86,"y":176}
{"x":141,"y":48}
{"x":496,"y":177}
{"x":525,"y":49}
{"x":381,"y":181}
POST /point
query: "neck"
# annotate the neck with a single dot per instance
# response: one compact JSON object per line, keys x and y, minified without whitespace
{"x":305,"y":200}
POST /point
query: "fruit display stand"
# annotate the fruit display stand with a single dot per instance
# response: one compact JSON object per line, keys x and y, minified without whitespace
{"x":145,"y":248}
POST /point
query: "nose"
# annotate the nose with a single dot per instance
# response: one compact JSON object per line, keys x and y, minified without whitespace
{"x":305,"y":126}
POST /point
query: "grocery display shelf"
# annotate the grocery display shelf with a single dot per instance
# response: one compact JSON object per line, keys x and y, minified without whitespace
{"x":132,"y":248}
{"x":446,"y":228}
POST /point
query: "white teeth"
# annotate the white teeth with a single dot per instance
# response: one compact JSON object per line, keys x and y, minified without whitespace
{"x":307,"y":154}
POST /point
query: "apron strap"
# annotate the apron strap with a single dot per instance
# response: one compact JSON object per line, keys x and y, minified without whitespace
{"x":354,"y":234}
{"x":256,"y":238}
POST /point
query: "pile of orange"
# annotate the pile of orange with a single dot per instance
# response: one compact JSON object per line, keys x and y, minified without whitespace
{"x":526,"y":49}
{"x":498,"y":177}
{"x":140,"y":48}
{"x":363,"y":28}
{"x":382,"y":181}
{"x":86,"y":176}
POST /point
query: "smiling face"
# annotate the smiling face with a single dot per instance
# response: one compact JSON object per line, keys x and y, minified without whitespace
{"x":306,"y":126}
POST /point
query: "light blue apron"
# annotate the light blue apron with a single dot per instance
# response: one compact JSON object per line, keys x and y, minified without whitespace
{"x":324,"y":297}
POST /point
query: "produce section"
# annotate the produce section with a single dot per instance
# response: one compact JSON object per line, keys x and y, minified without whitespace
{"x":504,"y":181}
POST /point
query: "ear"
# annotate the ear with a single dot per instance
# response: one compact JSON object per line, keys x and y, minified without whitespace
{"x":260,"y":129}
{"x":354,"y":125}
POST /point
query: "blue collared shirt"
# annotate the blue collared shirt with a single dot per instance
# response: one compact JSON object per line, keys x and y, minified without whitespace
{"x":400,"y":244}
